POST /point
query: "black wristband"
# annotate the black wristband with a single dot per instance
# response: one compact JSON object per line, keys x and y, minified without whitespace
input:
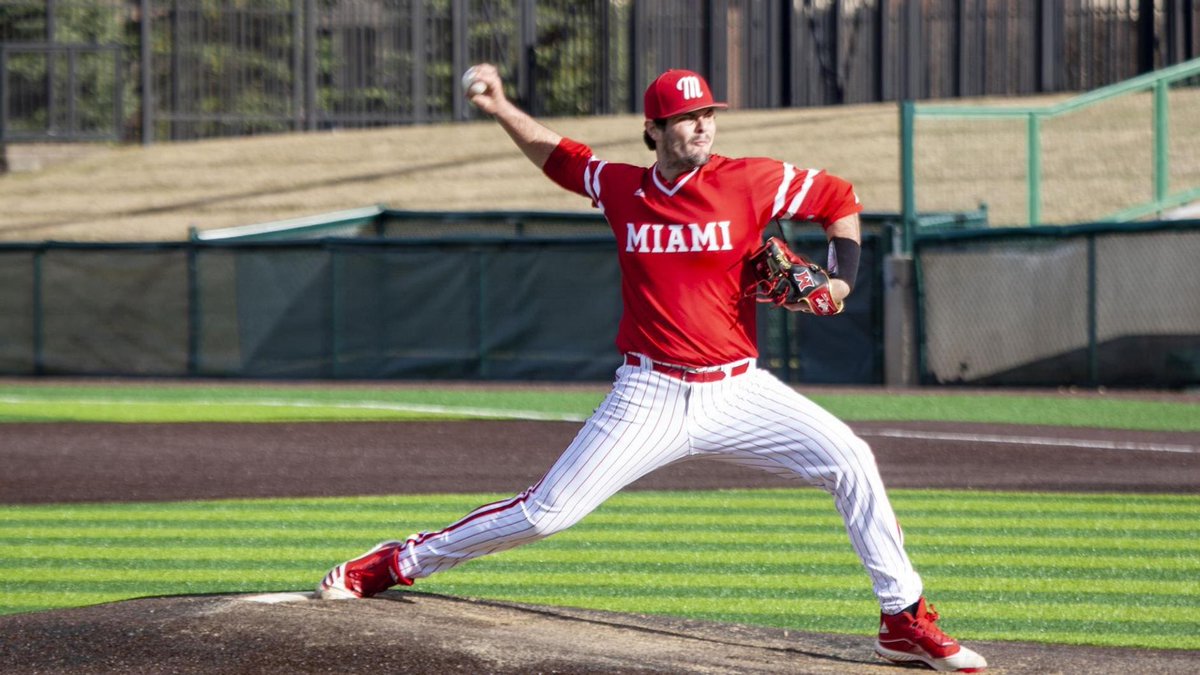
{"x":843,"y":259}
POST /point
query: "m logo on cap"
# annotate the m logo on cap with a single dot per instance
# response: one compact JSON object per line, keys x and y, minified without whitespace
{"x":690,"y":86}
{"x":677,"y":92}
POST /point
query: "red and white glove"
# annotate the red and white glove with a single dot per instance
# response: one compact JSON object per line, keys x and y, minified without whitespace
{"x":789,"y":280}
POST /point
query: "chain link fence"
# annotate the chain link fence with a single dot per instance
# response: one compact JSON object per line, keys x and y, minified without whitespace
{"x":1091,"y":305}
{"x":184,"y":69}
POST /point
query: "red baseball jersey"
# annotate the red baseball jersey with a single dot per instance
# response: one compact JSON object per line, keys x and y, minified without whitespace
{"x":683,"y":246}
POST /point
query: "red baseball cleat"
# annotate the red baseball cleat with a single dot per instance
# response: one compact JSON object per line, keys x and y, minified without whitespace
{"x":906,"y":638}
{"x":373,"y":572}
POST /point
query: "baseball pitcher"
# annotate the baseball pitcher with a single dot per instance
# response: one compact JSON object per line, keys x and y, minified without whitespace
{"x":689,"y":239}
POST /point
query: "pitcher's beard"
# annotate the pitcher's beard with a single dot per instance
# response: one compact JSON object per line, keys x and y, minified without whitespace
{"x":692,"y":161}
{"x":678,"y":157}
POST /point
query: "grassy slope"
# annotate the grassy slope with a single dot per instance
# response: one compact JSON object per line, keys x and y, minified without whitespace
{"x":157,"y":192}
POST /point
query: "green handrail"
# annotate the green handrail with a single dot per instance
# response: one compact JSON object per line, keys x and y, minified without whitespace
{"x":1157,"y":81}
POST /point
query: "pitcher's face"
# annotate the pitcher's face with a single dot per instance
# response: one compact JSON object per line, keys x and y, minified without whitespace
{"x":686,"y":140}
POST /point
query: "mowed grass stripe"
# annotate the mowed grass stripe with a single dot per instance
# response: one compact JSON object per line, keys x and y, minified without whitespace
{"x":1130,"y":539}
{"x":665,"y":540}
{"x":55,"y":402}
{"x":777,"y":557}
{"x":762,"y":503}
{"x":1029,"y":523}
{"x":597,"y":561}
{"x":645,"y":541}
{"x":964,"y":559}
{"x":1065,"y":606}
{"x":697,"y":518}
{"x":607,"y":581}
{"x":258,"y":404}
{"x":917,"y":502}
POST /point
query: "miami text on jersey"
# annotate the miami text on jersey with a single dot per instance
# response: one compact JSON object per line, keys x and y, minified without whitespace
{"x":680,"y":238}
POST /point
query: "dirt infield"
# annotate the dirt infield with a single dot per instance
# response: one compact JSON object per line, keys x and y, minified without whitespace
{"x":48,"y":463}
{"x":412,"y":632}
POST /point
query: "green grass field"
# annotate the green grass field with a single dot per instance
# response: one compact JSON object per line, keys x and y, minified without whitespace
{"x":1082,"y":569}
{"x":241,"y":403}
{"x":1105,"y":569}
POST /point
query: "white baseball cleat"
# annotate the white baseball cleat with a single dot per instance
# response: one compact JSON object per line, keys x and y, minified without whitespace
{"x":372,"y":572}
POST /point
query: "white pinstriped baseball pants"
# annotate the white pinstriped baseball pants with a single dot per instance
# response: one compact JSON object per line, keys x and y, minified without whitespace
{"x":650,"y":420}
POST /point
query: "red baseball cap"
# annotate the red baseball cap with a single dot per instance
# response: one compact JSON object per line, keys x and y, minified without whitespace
{"x":676,"y":92}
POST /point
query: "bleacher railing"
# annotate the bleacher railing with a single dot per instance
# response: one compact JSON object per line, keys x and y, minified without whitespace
{"x":1093,"y":153}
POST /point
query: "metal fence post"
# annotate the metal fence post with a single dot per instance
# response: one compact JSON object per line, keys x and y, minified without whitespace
{"x":335,"y":308}
{"x":900,"y":346}
{"x":1050,"y":46}
{"x":175,"y":130}
{"x":147,"y":66}
{"x":482,"y":336}
{"x":908,"y":206}
{"x":72,"y":87}
{"x":193,"y":310}
{"x":1146,"y":36}
{"x":526,"y":91}
{"x":605,"y":91}
{"x":885,"y":88}
{"x":1033,"y":144}
{"x":911,"y":47}
{"x":836,"y":42}
{"x":118,"y":96}
{"x":310,"y":61}
{"x":51,"y":64}
{"x":637,"y":43}
{"x":298,"y":43}
{"x":1093,"y":349}
{"x":1162,"y":172}
{"x":417,"y":33}
{"x":39,"y":314}
{"x":716,"y":43}
{"x":458,"y":55}
{"x":3,"y":103}
{"x":960,"y":48}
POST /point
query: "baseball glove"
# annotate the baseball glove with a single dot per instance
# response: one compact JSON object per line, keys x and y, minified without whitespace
{"x":788,"y":279}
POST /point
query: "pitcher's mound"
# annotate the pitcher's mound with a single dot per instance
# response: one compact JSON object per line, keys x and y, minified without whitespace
{"x":412,"y":632}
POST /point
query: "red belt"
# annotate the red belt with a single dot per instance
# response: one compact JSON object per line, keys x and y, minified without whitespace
{"x":689,"y":374}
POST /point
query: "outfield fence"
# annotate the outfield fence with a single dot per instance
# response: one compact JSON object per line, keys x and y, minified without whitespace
{"x":519,"y":297}
{"x":498,"y":308}
{"x":1099,"y":304}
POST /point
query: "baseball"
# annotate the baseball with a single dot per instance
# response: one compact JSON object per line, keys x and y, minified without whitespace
{"x":472,"y":86}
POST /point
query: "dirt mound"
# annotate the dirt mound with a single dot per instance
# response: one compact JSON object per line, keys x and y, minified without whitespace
{"x":409,"y":632}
